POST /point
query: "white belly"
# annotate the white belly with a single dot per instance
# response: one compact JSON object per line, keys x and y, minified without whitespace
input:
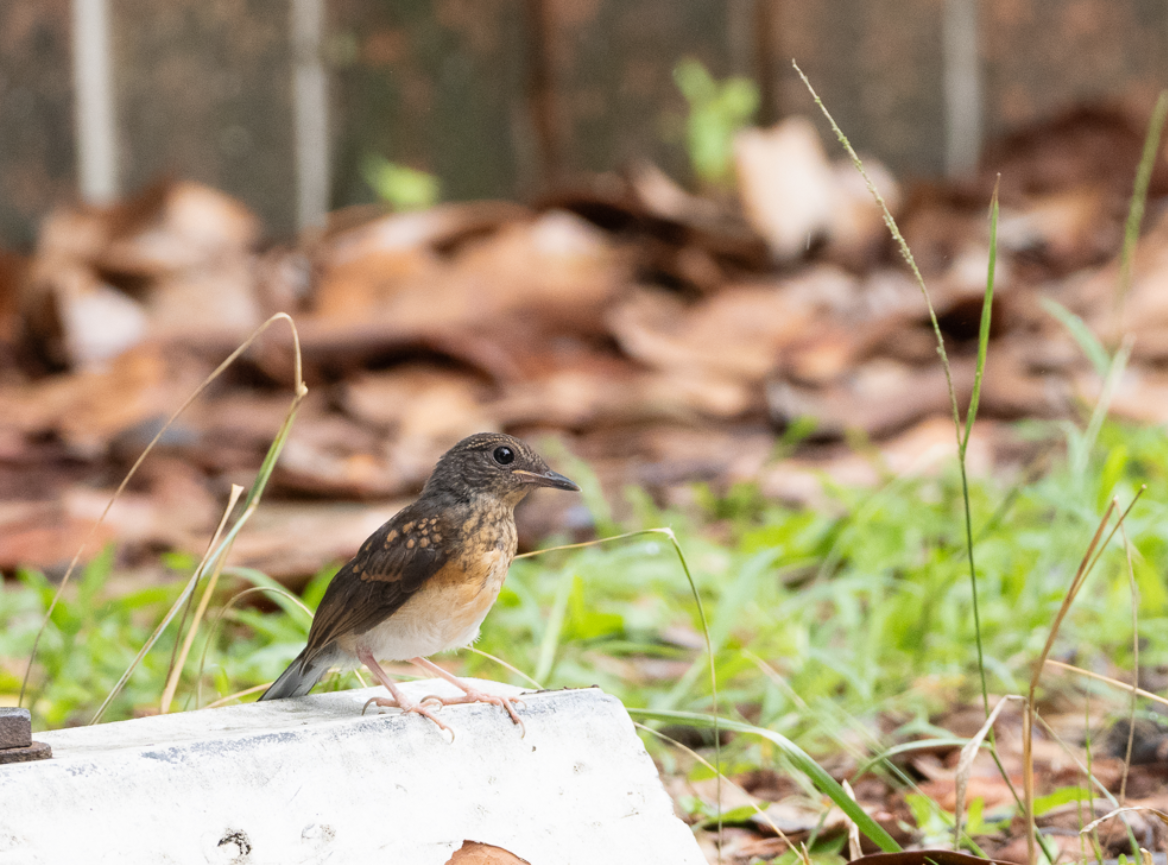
{"x":437,"y":619}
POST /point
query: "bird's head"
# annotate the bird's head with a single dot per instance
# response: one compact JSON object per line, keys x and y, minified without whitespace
{"x":493,"y":464}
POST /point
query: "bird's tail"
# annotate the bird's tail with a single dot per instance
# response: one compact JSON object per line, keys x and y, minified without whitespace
{"x":299,"y":678}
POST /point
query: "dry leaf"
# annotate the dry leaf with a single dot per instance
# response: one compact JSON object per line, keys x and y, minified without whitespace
{"x":89,"y":409}
{"x":738,"y":333}
{"x":787,"y":186}
{"x":173,"y":227}
{"x":44,"y":535}
{"x":474,"y":853}
{"x":325,"y":534}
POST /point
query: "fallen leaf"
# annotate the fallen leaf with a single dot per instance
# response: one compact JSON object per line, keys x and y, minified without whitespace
{"x":423,"y":409}
{"x":328,"y":454}
{"x":81,"y":321}
{"x":738,"y":333}
{"x":44,"y":535}
{"x":1066,"y":230}
{"x":172,"y":227}
{"x":13,"y":273}
{"x":787,"y":185}
{"x":325,"y":534}
{"x":474,"y":853}
{"x":923,"y":857}
{"x":89,"y":409}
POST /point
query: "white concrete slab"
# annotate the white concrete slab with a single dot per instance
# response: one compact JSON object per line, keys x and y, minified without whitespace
{"x":312,"y":780}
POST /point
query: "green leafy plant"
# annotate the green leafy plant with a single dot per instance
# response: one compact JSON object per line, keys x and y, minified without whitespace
{"x":718,"y":110}
{"x":401,"y":187}
{"x":90,"y":639}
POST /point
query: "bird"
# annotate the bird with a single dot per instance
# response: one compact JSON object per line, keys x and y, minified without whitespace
{"x":425,"y":580}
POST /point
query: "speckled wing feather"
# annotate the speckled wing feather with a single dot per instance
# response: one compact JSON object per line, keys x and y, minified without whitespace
{"x":391,"y":565}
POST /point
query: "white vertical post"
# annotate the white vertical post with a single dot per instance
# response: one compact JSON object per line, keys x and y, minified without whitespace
{"x":96,"y":136}
{"x":963,"y":97}
{"x":310,"y":112}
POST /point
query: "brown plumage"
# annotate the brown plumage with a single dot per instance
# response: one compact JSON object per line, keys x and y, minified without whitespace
{"x":425,"y":580}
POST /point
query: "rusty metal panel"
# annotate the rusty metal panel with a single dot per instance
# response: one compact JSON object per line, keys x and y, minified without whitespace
{"x":612,"y":64}
{"x":203,"y":91}
{"x":878,"y":66}
{"x":438,"y":86}
{"x":37,"y":159}
{"x":1044,"y":56}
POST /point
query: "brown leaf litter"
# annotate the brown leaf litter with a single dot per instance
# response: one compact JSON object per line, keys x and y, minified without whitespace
{"x":664,"y":337}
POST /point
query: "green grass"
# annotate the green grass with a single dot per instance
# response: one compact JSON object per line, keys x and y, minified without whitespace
{"x":860,"y":610}
{"x":888,"y":628}
{"x":826,"y":625}
{"x":821,"y":624}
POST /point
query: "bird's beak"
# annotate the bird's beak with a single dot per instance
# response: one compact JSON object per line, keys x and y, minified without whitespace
{"x":546,"y":479}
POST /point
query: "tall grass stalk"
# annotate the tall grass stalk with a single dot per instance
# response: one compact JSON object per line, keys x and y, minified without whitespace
{"x":1135,"y":213}
{"x":1135,"y":610}
{"x":301,"y":391}
{"x":251,"y":502}
{"x":983,"y":339}
{"x":179,"y":660}
{"x":1087,"y":563}
{"x":963,"y":432}
{"x":1107,"y":680}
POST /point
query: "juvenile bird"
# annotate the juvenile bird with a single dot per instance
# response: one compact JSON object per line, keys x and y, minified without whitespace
{"x":424,"y":581}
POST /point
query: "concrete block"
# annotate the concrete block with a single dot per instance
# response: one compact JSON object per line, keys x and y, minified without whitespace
{"x":312,"y":780}
{"x":16,"y":744}
{"x":15,"y":728}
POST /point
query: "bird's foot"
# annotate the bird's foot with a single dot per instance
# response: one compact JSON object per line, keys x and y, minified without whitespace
{"x":407,"y":707}
{"x":473,"y":695}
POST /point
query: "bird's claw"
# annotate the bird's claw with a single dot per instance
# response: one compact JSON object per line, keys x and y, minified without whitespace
{"x":380,"y":701}
{"x":408,"y":708}
{"x":473,"y":696}
{"x":429,"y":697}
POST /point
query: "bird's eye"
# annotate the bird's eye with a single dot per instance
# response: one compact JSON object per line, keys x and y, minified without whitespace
{"x":504,"y":456}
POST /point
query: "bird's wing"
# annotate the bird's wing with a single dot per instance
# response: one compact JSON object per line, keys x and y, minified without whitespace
{"x":391,"y":565}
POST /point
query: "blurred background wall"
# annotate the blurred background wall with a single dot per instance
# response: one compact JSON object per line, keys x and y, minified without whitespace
{"x":280,"y":102}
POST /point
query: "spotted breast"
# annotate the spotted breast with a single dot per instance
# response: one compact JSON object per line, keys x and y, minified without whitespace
{"x":447,"y":611}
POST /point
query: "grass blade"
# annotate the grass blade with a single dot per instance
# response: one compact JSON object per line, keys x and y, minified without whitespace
{"x":819,"y":777}
{"x":906,"y":253}
{"x":1089,"y":344}
{"x":965,"y":765}
{"x":1086,"y":564}
{"x":271,"y":587}
{"x":555,"y":626}
{"x":1135,"y":214}
{"x":762,"y":814}
{"x":983,"y":335}
{"x":180,"y":659}
{"x":907,"y":748}
{"x":1115,"y":683}
{"x":250,"y":503}
{"x":693,"y":587}
{"x":1135,"y":611}
{"x":301,"y":390}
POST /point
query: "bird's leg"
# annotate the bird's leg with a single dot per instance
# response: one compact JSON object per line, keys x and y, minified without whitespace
{"x":472,"y":694}
{"x":399,"y":700}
